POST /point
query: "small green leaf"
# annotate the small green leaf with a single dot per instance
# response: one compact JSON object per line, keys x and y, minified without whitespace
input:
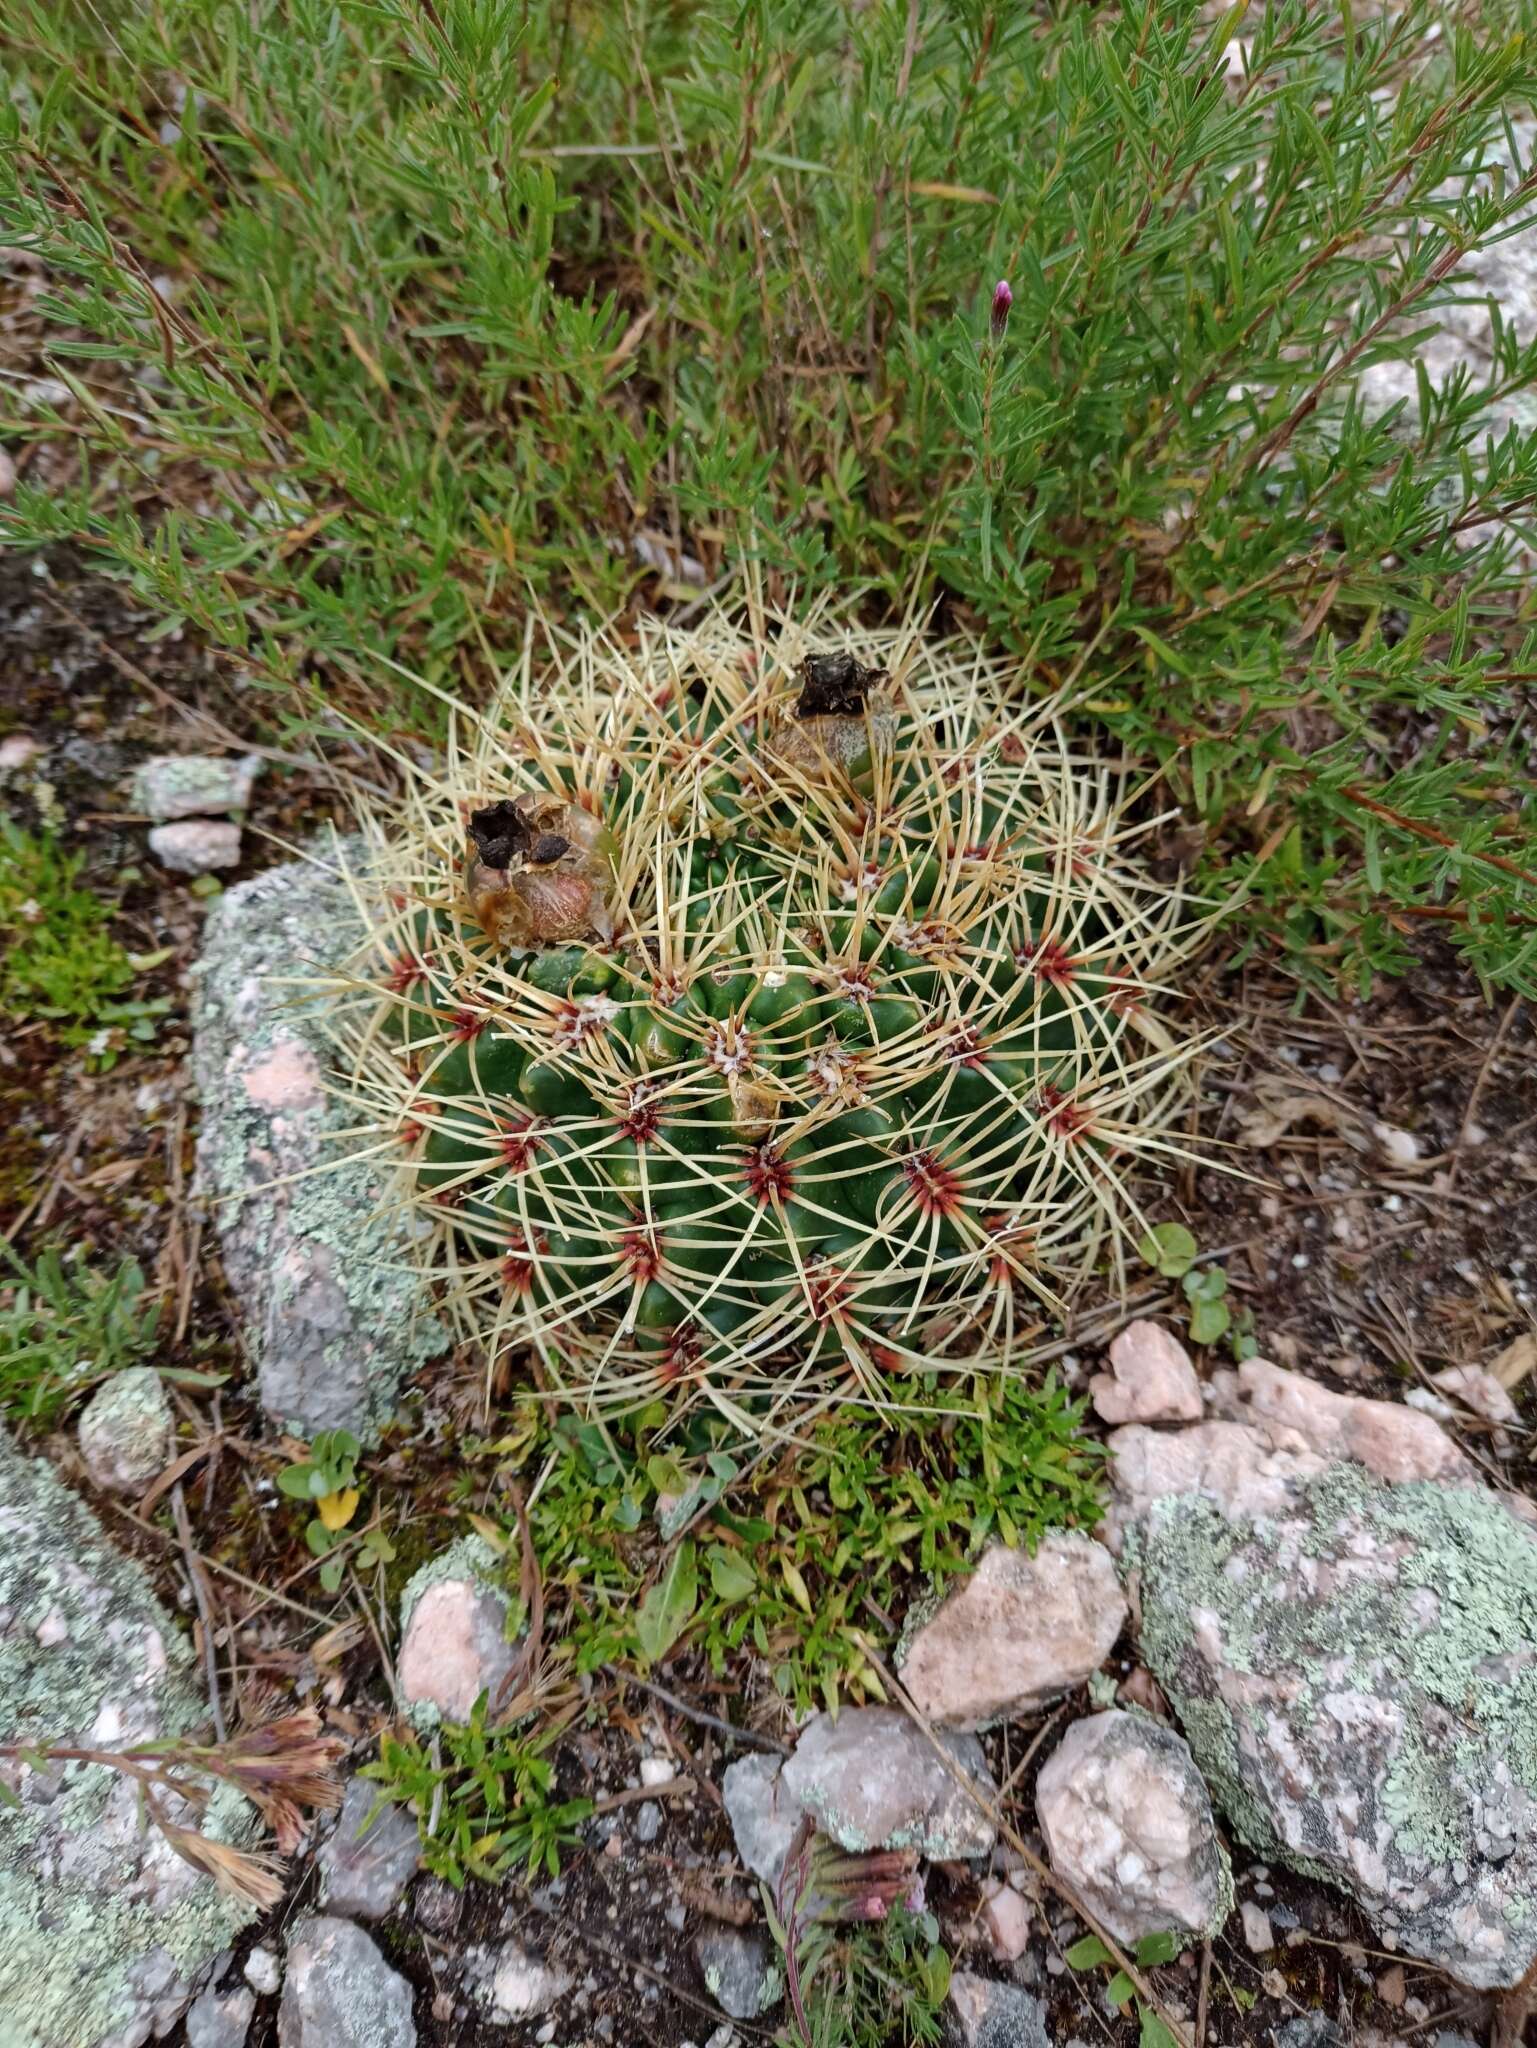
{"x":669,"y":1605}
{"x":1119,"y":1990}
{"x":1154,"y":1949}
{"x":732,"y":1577}
{"x":1154,"y":2032}
{"x":294,"y":1480}
{"x":1209,"y":1320}
{"x":1169,"y":1248}
{"x":1087,"y":1954}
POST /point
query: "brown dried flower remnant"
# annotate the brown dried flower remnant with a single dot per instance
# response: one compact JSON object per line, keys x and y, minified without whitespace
{"x":538,"y":872}
{"x":282,"y":1765}
{"x":835,"y":685}
{"x":840,"y":718}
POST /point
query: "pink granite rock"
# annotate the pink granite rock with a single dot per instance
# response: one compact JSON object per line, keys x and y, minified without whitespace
{"x":1393,"y":1442}
{"x":195,"y":846}
{"x":1249,"y":1473}
{"x":453,"y":1641}
{"x":1150,"y":1379}
{"x":1477,"y":1388}
{"x":1004,"y":1920}
{"x":1019,"y":1631}
{"x":1277,"y":1430}
{"x":1128,"y":1822}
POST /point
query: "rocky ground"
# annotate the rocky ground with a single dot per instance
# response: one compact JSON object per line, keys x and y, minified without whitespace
{"x":1360,"y":1708}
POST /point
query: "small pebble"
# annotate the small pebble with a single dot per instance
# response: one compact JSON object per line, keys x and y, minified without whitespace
{"x":262,"y":1972}
{"x":195,"y":845}
{"x":1257,"y":1931}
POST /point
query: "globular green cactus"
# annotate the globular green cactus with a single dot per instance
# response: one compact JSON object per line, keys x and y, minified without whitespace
{"x":755,"y":1002}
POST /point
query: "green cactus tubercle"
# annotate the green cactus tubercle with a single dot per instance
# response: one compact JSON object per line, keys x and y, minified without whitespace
{"x":745,"y":1016}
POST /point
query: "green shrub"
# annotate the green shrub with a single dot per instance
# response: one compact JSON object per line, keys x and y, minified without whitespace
{"x":467,"y":301}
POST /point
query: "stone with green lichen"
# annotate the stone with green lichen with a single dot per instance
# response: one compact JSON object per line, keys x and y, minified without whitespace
{"x":739,"y":1970}
{"x":126,"y":1430}
{"x":339,"y":1992}
{"x":103,"y":1928}
{"x":454,"y":1618}
{"x":1357,"y":1677}
{"x":170,"y":786}
{"x":872,"y":1779}
{"x":317,"y":1255}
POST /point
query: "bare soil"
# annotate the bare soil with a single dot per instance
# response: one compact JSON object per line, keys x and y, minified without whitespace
{"x":1375,"y":1216}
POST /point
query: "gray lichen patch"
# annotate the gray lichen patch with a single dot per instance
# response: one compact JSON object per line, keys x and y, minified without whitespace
{"x":103,"y":1928}
{"x":170,"y":786}
{"x":317,"y":1250}
{"x":1357,"y":1677}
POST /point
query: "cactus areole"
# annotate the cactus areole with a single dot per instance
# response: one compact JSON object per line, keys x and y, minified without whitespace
{"x":746,"y":1016}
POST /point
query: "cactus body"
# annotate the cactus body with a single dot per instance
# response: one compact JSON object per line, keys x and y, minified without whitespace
{"x":740,"y":1015}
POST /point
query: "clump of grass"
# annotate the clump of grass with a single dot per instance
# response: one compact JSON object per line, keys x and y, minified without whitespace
{"x":649,"y":1548}
{"x":379,"y":320}
{"x":483,"y":1797}
{"x":64,"y":1326}
{"x":58,"y":958}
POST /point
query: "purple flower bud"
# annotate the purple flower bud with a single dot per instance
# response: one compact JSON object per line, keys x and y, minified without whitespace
{"x":1003,"y":298}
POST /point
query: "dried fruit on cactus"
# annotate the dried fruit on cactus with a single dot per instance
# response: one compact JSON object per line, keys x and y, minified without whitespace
{"x":743,"y":1012}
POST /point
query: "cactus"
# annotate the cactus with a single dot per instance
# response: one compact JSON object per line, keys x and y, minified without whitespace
{"x":747,"y":1017}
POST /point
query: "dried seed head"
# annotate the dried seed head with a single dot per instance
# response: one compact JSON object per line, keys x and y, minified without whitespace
{"x":538,"y":872}
{"x":835,"y":685}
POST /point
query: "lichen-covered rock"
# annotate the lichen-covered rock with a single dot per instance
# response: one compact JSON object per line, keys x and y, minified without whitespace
{"x":171,"y":786}
{"x":221,"y":2019}
{"x":1357,"y":1676}
{"x":739,"y":1968}
{"x":318,"y":1260}
{"x":1242,"y":1471}
{"x":987,"y":2014}
{"x":126,"y":1430}
{"x":1129,"y":1824}
{"x":1020,"y":1631}
{"x":339,"y":1992}
{"x":872,"y":1779}
{"x":453,"y":1620}
{"x":104,"y":1930}
{"x":365,"y":1864}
